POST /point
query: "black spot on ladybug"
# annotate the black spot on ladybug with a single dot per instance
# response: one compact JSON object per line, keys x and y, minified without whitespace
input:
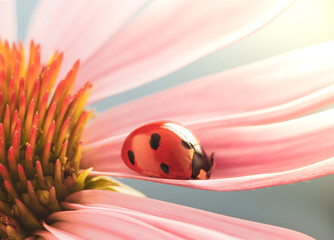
{"x":131,"y":156}
{"x":155,"y":141}
{"x":164,"y":168}
{"x":185,"y":144}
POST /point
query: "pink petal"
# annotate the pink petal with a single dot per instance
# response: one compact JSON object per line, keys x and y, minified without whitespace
{"x":246,"y":157}
{"x":59,"y":234}
{"x":181,"y":32}
{"x":8,"y":27}
{"x":268,"y":91}
{"x":99,"y":224}
{"x":185,"y":222}
{"x":78,"y":28}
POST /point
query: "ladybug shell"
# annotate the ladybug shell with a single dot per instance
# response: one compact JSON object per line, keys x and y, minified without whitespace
{"x":160,"y":149}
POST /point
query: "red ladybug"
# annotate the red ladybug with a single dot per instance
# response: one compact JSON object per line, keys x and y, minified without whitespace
{"x":166,"y":150}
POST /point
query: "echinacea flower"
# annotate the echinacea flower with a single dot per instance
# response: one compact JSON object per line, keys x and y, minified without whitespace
{"x":47,"y":193}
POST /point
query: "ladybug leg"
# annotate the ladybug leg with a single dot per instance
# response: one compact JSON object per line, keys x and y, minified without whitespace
{"x":212,"y":158}
{"x":212,"y":161}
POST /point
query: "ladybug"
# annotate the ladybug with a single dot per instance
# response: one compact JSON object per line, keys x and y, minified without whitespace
{"x":166,"y":150}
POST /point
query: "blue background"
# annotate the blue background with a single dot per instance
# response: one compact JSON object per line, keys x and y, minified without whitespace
{"x":307,"y":206}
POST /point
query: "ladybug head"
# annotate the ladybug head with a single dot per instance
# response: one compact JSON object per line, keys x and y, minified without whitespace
{"x":201,"y":164}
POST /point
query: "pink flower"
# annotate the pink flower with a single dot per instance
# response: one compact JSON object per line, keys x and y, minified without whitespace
{"x":122,"y":46}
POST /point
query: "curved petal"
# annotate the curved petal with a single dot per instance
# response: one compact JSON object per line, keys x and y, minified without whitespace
{"x":90,"y":24}
{"x":245,"y":157}
{"x":184,"y":222}
{"x":103,"y":224}
{"x":182,"y":32}
{"x":58,"y":233}
{"x":8,"y":27}
{"x":275,"y":89}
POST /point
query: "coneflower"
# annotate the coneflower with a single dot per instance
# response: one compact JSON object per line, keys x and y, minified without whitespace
{"x":45,"y":191}
{"x":40,"y":132}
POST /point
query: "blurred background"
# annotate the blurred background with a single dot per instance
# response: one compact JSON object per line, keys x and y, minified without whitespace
{"x":307,"y":206}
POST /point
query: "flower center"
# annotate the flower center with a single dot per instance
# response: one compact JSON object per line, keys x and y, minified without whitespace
{"x":40,"y":130}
